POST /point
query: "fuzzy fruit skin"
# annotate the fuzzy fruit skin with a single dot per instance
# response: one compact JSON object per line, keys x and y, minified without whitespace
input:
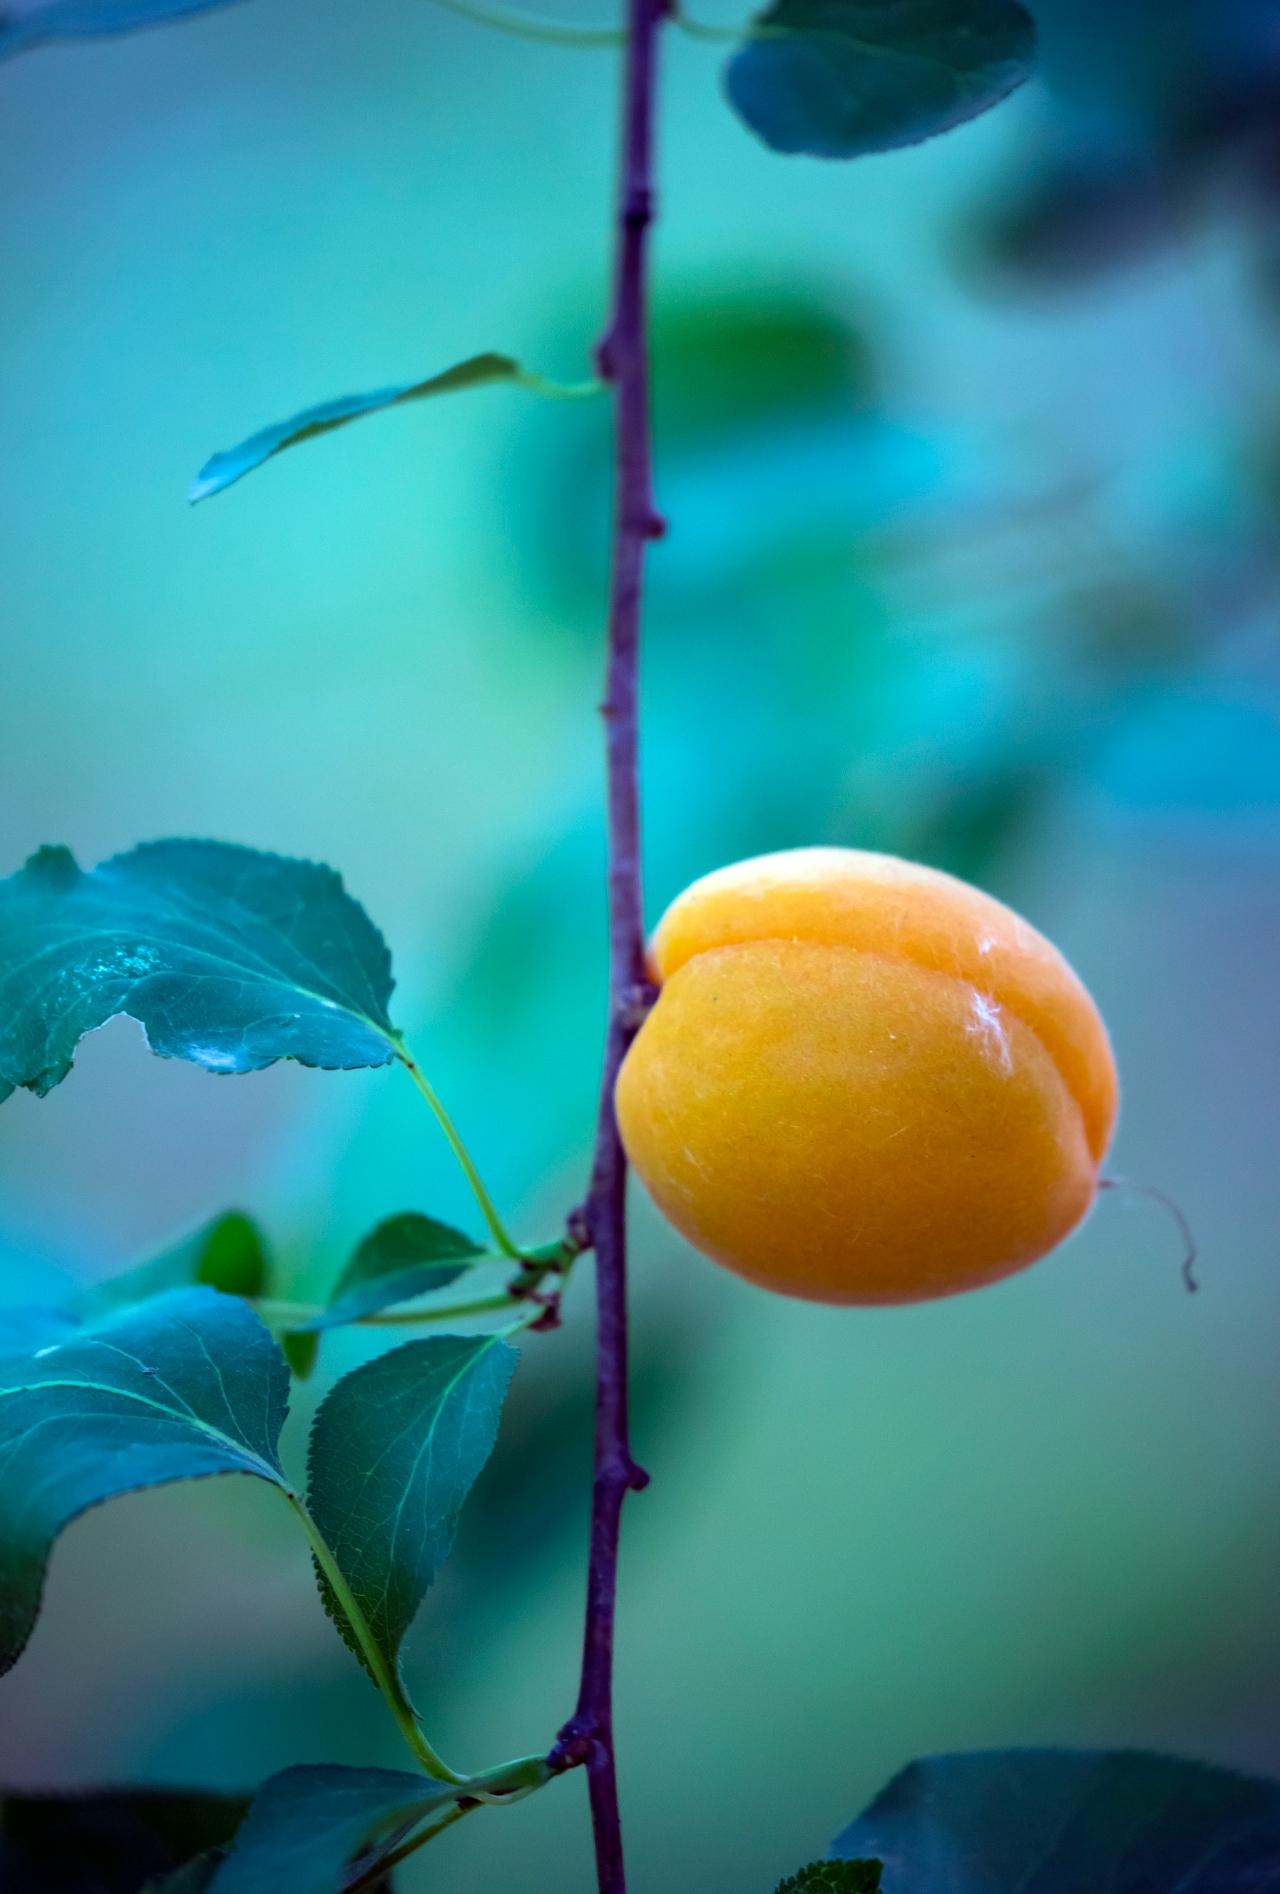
{"x":864,"y":1081}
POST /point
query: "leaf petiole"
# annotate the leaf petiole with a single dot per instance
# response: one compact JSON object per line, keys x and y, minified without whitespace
{"x":530,"y":26}
{"x":488,"y":1210}
{"x":510,"y":1782}
{"x":387,"y":1682}
{"x":290,"y":1315}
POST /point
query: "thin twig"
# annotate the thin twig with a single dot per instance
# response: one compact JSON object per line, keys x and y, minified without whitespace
{"x":587,"y":1737}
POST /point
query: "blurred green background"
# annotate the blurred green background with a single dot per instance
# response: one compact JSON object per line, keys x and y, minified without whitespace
{"x":972,"y":459}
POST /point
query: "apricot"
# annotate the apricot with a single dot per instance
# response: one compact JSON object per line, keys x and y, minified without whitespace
{"x":864,"y":1081}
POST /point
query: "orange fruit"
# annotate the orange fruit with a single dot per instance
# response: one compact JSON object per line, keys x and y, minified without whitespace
{"x":864,"y":1081}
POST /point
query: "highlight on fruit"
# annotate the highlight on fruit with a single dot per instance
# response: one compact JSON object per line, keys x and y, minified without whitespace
{"x":863,"y":1080}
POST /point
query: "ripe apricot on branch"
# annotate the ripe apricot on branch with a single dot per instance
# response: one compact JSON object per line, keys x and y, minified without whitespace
{"x":864,"y":1081}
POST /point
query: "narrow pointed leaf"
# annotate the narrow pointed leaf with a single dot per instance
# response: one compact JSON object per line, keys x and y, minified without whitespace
{"x":404,"y":1257}
{"x":842,"y":78}
{"x":185,"y":1385}
{"x":224,"y":469}
{"x":227,"y":1254}
{"x":1067,"y":1821}
{"x":301,"y":1349}
{"x":308,"y":1824}
{"x":28,"y":23}
{"x":395,"y":1449}
{"x":225,"y":956}
{"x":111,"y":1841}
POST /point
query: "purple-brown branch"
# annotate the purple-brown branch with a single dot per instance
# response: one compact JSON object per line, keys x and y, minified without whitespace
{"x":623,"y":358}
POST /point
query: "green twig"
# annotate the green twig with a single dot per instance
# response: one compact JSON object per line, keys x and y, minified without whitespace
{"x":298,"y":1315}
{"x":523,"y":1292}
{"x":531,"y":26}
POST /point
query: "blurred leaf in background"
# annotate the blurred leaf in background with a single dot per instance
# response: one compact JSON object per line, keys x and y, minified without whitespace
{"x":1159,"y":113}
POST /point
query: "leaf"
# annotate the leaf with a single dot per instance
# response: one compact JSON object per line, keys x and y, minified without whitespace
{"x":404,"y":1257}
{"x":224,"y":469}
{"x":28,"y":23}
{"x":301,"y":1348}
{"x":1066,"y":1821}
{"x":30,"y":1326}
{"x":193,"y":1877}
{"x":225,"y":956}
{"x":307,"y":1824}
{"x":185,"y":1385}
{"x":834,"y":1877}
{"x":842,"y":78}
{"x":227,"y":1254}
{"x":108,"y":1841}
{"x":395,"y":1449}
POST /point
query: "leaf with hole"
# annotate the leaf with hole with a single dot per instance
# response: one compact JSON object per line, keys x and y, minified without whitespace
{"x":224,"y":469}
{"x":308,"y":1824}
{"x":843,"y":78}
{"x":406,"y":1256}
{"x":28,"y":23}
{"x":225,"y":956}
{"x":395,"y":1449}
{"x":182,"y":1386}
{"x":1066,"y":1821}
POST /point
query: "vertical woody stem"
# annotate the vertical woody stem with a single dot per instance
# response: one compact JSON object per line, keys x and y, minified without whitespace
{"x":623,"y":362}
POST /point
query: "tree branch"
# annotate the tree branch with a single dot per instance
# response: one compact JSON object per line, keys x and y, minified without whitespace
{"x":623,"y":362}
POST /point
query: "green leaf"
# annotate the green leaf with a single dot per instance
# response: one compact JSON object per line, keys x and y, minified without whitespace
{"x":227,"y":1254}
{"x":307,"y":1824}
{"x":301,"y":1350}
{"x":185,"y":1385}
{"x":108,"y":1841}
{"x":1071,"y":1822}
{"x":225,"y":956}
{"x":28,"y":23}
{"x":834,"y":1877}
{"x":842,"y":78}
{"x":404,"y":1257}
{"x":395,"y":1449}
{"x":226,"y":468}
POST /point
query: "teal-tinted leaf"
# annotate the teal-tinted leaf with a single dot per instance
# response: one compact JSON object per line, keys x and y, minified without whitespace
{"x":227,"y":1254}
{"x":224,"y":469}
{"x":30,"y":1326}
{"x":27,"y":23}
{"x":395,"y":1449}
{"x":834,"y":1877}
{"x":225,"y":956}
{"x":194,"y":1877}
{"x":1066,"y":1821}
{"x":842,"y":78}
{"x":108,"y":1841}
{"x":308,"y":1824}
{"x":185,"y":1385}
{"x":405,"y":1256}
